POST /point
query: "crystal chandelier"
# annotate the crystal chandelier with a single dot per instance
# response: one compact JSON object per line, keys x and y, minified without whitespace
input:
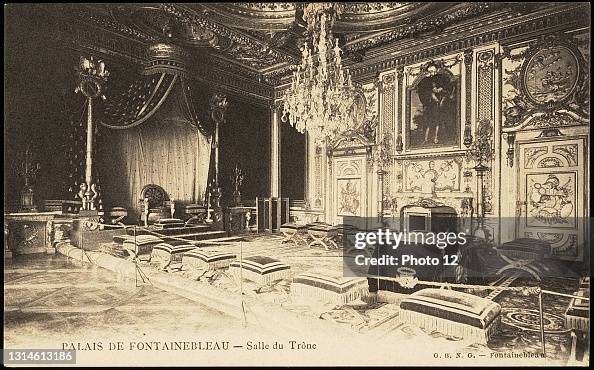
{"x":321,"y":97}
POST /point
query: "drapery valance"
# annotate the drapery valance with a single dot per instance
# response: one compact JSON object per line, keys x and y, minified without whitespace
{"x":145,"y":96}
{"x":164,"y":72}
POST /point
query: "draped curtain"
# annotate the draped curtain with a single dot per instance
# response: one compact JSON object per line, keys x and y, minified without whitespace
{"x":171,"y":154}
{"x":153,"y":135}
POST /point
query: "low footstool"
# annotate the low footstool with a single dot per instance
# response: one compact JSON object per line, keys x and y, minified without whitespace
{"x":293,"y":232}
{"x":334,"y":288}
{"x":202,"y":259}
{"x":168,"y":223}
{"x":169,"y":254}
{"x":452,"y":313}
{"x":260,"y":269}
{"x":523,"y":254}
{"x":322,"y":234}
{"x":141,"y":246}
{"x":345,"y":236}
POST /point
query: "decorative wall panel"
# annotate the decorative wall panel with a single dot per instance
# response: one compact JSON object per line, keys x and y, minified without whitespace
{"x":428,"y":176}
{"x":388,"y":104}
{"x":552,"y":194}
{"x":485,"y":85}
{"x":350,"y":197}
{"x":484,"y":111}
{"x":319,"y":172}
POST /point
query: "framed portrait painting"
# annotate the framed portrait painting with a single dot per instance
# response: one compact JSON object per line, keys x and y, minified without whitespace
{"x":433,"y":112}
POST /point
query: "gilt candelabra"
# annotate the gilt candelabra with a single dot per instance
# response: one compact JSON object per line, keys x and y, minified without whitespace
{"x":481,"y":152}
{"x":28,"y":171}
{"x":92,"y":76}
{"x":236,"y":181}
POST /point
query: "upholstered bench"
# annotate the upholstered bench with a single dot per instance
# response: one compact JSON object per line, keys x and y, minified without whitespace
{"x":330,"y":287}
{"x":203,"y":259}
{"x":452,"y":313}
{"x":260,"y":269}
{"x":169,"y":254}
{"x":322,"y":234}
{"x":293,"y":232}
{"x":523,"y":254}
{"x":141,"y":245}
{"x":168,"y":223}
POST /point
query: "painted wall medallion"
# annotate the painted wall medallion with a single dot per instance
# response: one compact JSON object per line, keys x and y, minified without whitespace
{"x":551,"y":75}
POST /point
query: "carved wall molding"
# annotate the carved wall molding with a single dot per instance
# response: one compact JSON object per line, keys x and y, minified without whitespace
{"x":440,"y":154}
{"x":433,"y":175}
{"x":353,"y":144}
{"x":431,"y":68}
{"x":485,"y":112}
{"x":399,"y":143}
{"x":545,"y":121}
{"x":468,"y":59}
{"x":389,"y":104}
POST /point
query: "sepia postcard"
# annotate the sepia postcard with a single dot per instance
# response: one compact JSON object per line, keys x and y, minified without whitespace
{"x":297,"y":184}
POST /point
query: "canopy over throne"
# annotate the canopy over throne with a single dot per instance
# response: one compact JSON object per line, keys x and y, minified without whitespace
{"x":155,"y":204}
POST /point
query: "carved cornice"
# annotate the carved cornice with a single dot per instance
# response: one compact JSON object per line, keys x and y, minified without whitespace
{"x":105,"y":23}
{"x":503,"y":29}
{"x":432,"y":24}
{"x":529,"y":25}
{"x":79,"y":36}
{"x":216,"y":77}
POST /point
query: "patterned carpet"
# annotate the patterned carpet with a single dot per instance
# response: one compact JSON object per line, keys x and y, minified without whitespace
{"x":520,"y":321}
{"x":520,"y":328}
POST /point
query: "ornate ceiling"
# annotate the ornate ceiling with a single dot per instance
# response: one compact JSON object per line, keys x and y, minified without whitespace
{"x":265,"y":37}
{"x":260,"y":41}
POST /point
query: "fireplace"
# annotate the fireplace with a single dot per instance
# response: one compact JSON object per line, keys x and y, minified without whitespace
{"x":435,"y":219}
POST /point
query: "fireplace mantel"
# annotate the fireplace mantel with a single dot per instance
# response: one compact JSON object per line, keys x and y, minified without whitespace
{"x":462,"y":203}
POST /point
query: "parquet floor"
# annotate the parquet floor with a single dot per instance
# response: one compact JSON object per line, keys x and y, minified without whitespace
{"x":51,"y":299}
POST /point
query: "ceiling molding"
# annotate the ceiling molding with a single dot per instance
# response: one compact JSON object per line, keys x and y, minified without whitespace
{"x":502,"y":29}
{"x":89,"y":28}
